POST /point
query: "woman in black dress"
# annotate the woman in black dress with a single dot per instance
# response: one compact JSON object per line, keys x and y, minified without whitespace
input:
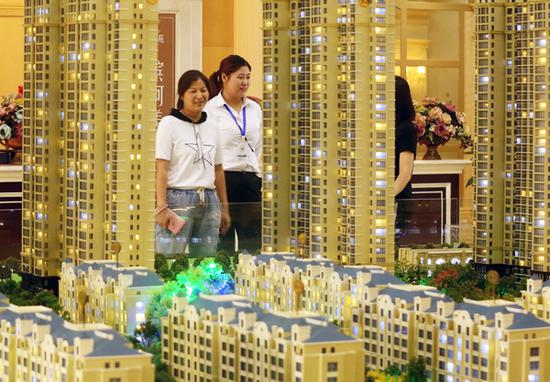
{"x":405,"y":152}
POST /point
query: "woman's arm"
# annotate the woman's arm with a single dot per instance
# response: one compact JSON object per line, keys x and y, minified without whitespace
{"x":161,"y":216}
{"x":406,"y":162}
{"x":219,"y":182}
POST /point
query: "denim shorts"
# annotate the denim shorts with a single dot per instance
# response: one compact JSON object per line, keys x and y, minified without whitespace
{"x":199,"y":235}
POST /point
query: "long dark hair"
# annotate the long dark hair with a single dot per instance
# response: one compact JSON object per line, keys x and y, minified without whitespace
{"x":185,"y":82}
{"x":228,"y":65}
{"x":404,"y":108}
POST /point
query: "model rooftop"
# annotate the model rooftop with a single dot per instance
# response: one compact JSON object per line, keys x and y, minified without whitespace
{"x":106,"y":341}
{"x":141,"y":276}
{"x":321,"y":330}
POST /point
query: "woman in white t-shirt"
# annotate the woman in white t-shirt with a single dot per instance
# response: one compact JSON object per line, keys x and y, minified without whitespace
{"x":239,"y":121}
{"x":190,"y":177}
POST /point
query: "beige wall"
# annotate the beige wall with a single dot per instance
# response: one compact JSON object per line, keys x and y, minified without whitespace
{"x":217,"y":33}
{"x":11,"y":54}
{"x":233,"y":27}
{"x":248,"y":39}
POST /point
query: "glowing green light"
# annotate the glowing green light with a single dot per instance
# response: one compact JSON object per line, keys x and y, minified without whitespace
{"x":207,"y":278}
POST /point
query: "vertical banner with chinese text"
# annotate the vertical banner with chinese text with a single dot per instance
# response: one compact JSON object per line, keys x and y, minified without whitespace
{"x":166,"y":64}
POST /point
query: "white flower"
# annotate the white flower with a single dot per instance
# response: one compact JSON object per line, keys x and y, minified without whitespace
{"x":446,"y":118}
{"x":5,"y":132}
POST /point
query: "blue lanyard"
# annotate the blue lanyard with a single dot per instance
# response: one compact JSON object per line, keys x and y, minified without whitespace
{"x":241,"y":129}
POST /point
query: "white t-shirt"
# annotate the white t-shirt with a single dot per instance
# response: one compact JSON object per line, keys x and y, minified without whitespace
{"x":192,"y":149}
{"x":238,"y":154}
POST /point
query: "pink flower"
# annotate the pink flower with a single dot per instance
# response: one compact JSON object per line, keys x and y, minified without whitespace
{"x":420,"y":120}
{"x":435,"y":114}
{"x":441,"y":131}
{"x":420,"y":131}
{"x":450,"y":106}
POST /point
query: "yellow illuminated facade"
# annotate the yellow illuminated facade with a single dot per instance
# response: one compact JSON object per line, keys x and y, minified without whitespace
{"x":468,"y":341}
{"x":38,"y":345}
{"x":225,"y":338}
{"x":90,"y":91}
{"x":331,"y":290}
{"x":276,"y":183}
{"x":102,"y":292}
{"x":536,"y":298}
{"x":340,"y":147}
{"x":512,"y":225}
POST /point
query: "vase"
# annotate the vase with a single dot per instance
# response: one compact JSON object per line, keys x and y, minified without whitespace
{"x":15,"y":143}
{"x":431,"y":153}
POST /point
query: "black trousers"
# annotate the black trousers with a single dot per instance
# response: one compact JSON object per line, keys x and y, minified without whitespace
{"x":244,"y":194}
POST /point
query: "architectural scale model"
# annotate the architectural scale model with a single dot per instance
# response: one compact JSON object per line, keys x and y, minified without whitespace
{"x":473,"y":340}
{"x":225,"y":338}
{"x":328,"y":161}
{"x":89,"y":131}
{"x":512,"y":224}
{"x":333,"y":309}
{"x":38,"y":345}
{"x":536,"y":298}
{"x":102,"y":292}
{"x":431,"y":257}
{"x":331,"y":290}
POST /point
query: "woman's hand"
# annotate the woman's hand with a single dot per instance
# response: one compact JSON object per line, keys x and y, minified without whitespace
{"x":163,"y":218}
{"x":258,"y":100}
{"x":225,"y":222}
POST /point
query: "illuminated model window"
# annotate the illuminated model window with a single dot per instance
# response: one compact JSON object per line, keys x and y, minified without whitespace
{"x":89,"y":132}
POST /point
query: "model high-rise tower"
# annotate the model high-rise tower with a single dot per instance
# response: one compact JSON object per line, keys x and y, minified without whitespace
{"x":512,"y":154}
{"x":276,"y":108}
{"x":489,"y":115}
{"x":90,"y":88}
{"x":341,"y":124}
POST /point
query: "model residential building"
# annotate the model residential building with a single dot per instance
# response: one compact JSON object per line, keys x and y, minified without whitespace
{"x":468,"y":341}
{"x":329,"y":136}
{"x":330,"y":290}
{"x":512,"y":225}
{"x":103,"y":292}
{"x":536,"y":298}
{"x":473,"y":340}
{"x":89,"y":133}
{"x":225,"y":338}
{"x":38,"y":345}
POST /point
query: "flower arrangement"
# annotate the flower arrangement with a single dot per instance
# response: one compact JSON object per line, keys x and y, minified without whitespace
{"x":437,"y":123}
{"x":11,"y":120}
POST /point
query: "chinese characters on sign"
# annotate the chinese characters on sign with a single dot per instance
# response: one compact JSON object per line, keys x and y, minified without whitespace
{"x":166,"y":64}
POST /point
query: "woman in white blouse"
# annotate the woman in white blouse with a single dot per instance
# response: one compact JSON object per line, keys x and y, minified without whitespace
{"x":239,"y":122}
{"x":190,"y":177}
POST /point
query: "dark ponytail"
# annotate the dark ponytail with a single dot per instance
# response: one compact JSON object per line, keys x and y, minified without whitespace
{"x":228,"y":65}
{"x":216,"y":83}
{"x":185,"y":82}
{"x":404,"y":107}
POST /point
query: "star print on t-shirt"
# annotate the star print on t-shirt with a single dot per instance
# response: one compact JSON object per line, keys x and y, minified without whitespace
{"x":205,"y":157}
